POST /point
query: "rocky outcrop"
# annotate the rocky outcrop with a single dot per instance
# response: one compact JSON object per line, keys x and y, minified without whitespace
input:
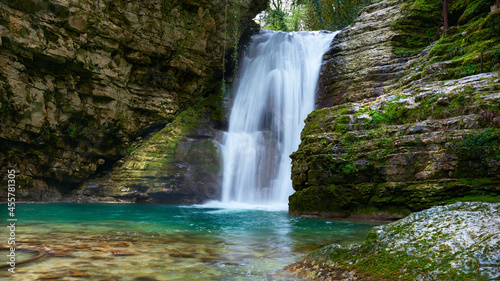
{"x":82,"y":82}
{"x":361,"y":57}
{"x":394,"y":139}
{"x":453,"y":242}
{"x":180,"y":164}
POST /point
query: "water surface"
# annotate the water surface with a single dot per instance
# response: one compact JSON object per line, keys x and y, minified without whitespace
{"x":160,"y":242}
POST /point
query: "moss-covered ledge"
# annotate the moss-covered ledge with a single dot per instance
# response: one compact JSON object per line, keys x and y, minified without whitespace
{"x":460,"y":241}
{"x":431,"y":144}
{"x":178,"y":165}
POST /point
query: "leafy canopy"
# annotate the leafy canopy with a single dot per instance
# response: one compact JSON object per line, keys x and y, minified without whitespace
{"x":295,"y":15}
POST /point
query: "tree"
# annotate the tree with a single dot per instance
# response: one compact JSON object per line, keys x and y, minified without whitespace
{"x":445,"y":15}
{"x":336,"y":14}
{"x":292,"y":15}
{"x":276,"y":20}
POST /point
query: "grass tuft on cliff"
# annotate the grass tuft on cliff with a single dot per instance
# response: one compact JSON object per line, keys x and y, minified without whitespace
{"x":474,"y":27}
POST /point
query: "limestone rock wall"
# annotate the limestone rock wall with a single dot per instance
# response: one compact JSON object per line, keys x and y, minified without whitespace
{"x":81,"y":82}
{"x":392,"y":138}
{"x":360,"y":62}
{"x":179,"y":165}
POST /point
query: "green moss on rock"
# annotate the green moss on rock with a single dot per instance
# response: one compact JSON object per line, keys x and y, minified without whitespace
{"x":417,"y":144}
{"x":453,"y":242}
{"x":179,"y":164}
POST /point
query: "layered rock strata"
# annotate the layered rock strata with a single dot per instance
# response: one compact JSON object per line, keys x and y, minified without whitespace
{"x":392,"y":139}
{"x":360,"y":62}
{"x":82,"y":82}
{"x":178,"y":165}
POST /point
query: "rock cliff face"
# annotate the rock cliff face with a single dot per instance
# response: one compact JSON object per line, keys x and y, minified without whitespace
{"x":361,"y":58}
{"x":403,"y":127}
{"x":82,"y":82}
{"x":180,"y":164}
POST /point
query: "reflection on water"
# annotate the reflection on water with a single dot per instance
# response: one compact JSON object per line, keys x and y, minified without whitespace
{"x":158,"y":242}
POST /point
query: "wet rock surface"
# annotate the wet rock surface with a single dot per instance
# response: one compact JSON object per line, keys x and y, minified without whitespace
{"x":453,"y":242}
{"x":178,"y":165}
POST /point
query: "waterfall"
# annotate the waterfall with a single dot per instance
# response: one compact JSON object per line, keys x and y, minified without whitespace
{"x":274,"y":93}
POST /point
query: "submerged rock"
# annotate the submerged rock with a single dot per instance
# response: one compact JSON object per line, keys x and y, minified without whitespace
{"x":460,"y":241}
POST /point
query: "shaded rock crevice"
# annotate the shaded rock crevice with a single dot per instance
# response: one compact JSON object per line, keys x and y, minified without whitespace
{"x":180,"y":164}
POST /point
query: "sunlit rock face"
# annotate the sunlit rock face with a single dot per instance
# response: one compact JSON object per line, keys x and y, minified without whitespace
{"x":82,"y":82}
{"x":360,"y":62}
{"x":396,"y":133}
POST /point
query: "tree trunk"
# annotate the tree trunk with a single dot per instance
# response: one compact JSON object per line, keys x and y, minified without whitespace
{"x":445,"y":14}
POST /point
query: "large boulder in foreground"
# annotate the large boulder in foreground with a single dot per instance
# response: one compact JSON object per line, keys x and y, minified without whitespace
{"x":460,"y":241}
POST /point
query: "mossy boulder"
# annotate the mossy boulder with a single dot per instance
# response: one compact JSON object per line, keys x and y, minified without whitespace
{"x":453,"y":242}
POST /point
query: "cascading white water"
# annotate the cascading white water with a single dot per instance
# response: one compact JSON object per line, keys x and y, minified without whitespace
{"x":275,"y":92}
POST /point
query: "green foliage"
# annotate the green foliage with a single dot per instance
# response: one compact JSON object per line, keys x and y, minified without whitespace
{"x":295,"y":20}
{"x":276,"y":20}
{"x":437,"y":106}
{"x":348,"y":169}
{"x":332,"y":14}
{"x":469,"y":9}
{"x":313,"y":14}
{"x":473,"y":28}
{"x":131,"y":149}
{"x":487,"y":137}
{"x":285,"y":16}
{"x":404,"y":52}
{"x":236,"y":31}
{"x":476,"y":198}
{"x":419,"y":27}
{"x":232,"y":32}
{"x":72,"y":131}
{"x":166,"y":6}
